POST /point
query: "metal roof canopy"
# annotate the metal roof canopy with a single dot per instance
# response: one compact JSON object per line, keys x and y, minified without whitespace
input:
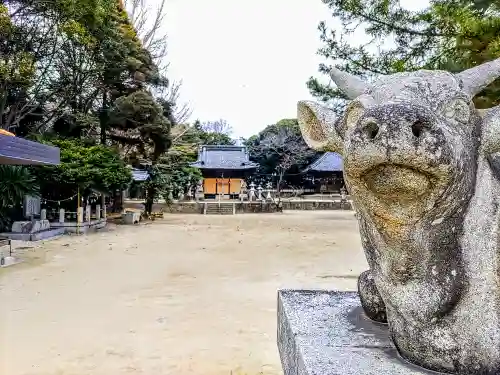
{"x":223,"y":157}
{"x":19,"y":151}
{"x":328,"y":162}
{"x":140,"y":175}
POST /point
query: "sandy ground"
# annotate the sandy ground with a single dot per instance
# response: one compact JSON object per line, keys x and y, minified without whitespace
{"x":185,"y":295}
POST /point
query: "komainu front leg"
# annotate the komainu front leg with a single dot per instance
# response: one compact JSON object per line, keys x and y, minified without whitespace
{"x":370,"y":298}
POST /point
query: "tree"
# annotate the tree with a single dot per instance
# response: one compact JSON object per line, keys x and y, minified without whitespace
{"x":64,"y":64}
{"x":213,"y":132}
{"x":148,"y":17}
{"x":78,"y":72}
{"x":219,"y":126}
{"x":32,"y":33}
{"x":86,"y":71}
{"x":148,"y":25}
{"x":181,"y":177}
{"x":140,"y":121}
{"x":280,"y":150}
{"x":84,"y":167}
{"x":450,"y":34}
{"x":216,"y":139}
{"x":17,"y":182}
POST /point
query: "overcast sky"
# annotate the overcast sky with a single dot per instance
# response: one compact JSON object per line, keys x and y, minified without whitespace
{"x":244,"y":61}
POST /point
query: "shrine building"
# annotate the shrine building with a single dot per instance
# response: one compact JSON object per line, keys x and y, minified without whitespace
{"x":325,"y":175}
{"x":223,"y":168}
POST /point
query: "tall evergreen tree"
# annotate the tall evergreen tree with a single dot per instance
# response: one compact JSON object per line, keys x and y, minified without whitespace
{"x":449,"y":34}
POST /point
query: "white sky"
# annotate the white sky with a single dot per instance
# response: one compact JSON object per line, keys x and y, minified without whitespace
{"x":246,"y":61}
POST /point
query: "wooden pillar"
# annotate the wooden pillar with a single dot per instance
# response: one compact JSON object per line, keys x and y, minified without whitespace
{"x":79,"y":215}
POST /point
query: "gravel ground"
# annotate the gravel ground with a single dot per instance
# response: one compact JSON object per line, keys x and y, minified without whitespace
{"x":190,"y":294}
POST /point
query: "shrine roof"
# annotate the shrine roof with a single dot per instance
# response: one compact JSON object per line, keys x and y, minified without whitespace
{"x":328,"y":162}
{"x":223,"y":157}
{"x":20,"y":151}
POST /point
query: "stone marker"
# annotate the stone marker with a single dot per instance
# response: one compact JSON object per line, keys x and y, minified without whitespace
{"x":88,"y":213}
{"x":31,"y":206}
{"x":422,"y":166}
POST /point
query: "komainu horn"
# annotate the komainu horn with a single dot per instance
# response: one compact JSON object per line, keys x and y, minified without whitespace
{"x":422,"y":165}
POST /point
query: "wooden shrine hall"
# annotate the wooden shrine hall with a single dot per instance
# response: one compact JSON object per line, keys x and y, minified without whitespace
{"x":224,"y":168}
{"x":325,"y":176}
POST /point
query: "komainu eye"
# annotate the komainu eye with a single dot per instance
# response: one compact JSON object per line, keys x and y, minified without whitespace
{"x":457,"y":110}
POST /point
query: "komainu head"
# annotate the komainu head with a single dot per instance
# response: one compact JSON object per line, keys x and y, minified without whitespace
{"x":410,"y":141}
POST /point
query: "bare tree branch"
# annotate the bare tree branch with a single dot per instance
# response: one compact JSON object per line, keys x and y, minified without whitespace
{"x":148,"y":23}
{"x":219,"y":126}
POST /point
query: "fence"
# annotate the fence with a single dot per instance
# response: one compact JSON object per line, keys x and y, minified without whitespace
{"x":80,"y":221}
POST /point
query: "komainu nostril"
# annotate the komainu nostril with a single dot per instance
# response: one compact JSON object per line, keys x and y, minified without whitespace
{"x":371,"y":129}
{"x":417,"y":128}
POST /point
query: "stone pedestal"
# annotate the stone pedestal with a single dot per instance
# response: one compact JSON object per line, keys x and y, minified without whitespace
{"x":10,"y":261}
{"x":131,"y":217}
{"x":35,"y":230}
{"x":30,"y":226}
{"x":326,"y":333}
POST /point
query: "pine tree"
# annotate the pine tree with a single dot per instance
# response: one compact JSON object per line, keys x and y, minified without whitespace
{"x":450,"y":34}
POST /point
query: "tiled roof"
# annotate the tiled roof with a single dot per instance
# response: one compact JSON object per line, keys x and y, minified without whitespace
{"x":328,"y":162}
{"x":139,"y":175}
{"x":223,"y":157}
{"x":14,"y":150}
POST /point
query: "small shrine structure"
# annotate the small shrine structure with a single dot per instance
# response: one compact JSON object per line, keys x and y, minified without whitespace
{"x":223,"y":168}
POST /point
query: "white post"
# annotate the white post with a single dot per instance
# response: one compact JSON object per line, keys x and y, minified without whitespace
{"x":98,"y":212}
{"x":88,"y":213}
{"x":61,"y":215}
{"x":103,"y":199}
{"x":43,"y":214}
{"x":79,"y":215}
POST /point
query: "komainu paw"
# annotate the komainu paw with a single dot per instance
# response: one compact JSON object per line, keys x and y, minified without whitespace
{"x":372,"y":303}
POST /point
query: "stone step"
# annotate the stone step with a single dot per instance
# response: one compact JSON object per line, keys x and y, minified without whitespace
{"x":219,"y":209}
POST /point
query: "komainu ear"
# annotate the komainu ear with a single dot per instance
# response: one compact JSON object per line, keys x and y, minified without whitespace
{"x":490,"y":140}
{"x":317,"y":124}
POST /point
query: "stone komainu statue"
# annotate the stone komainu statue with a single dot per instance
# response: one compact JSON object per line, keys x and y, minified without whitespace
{"x":422,"y":166}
